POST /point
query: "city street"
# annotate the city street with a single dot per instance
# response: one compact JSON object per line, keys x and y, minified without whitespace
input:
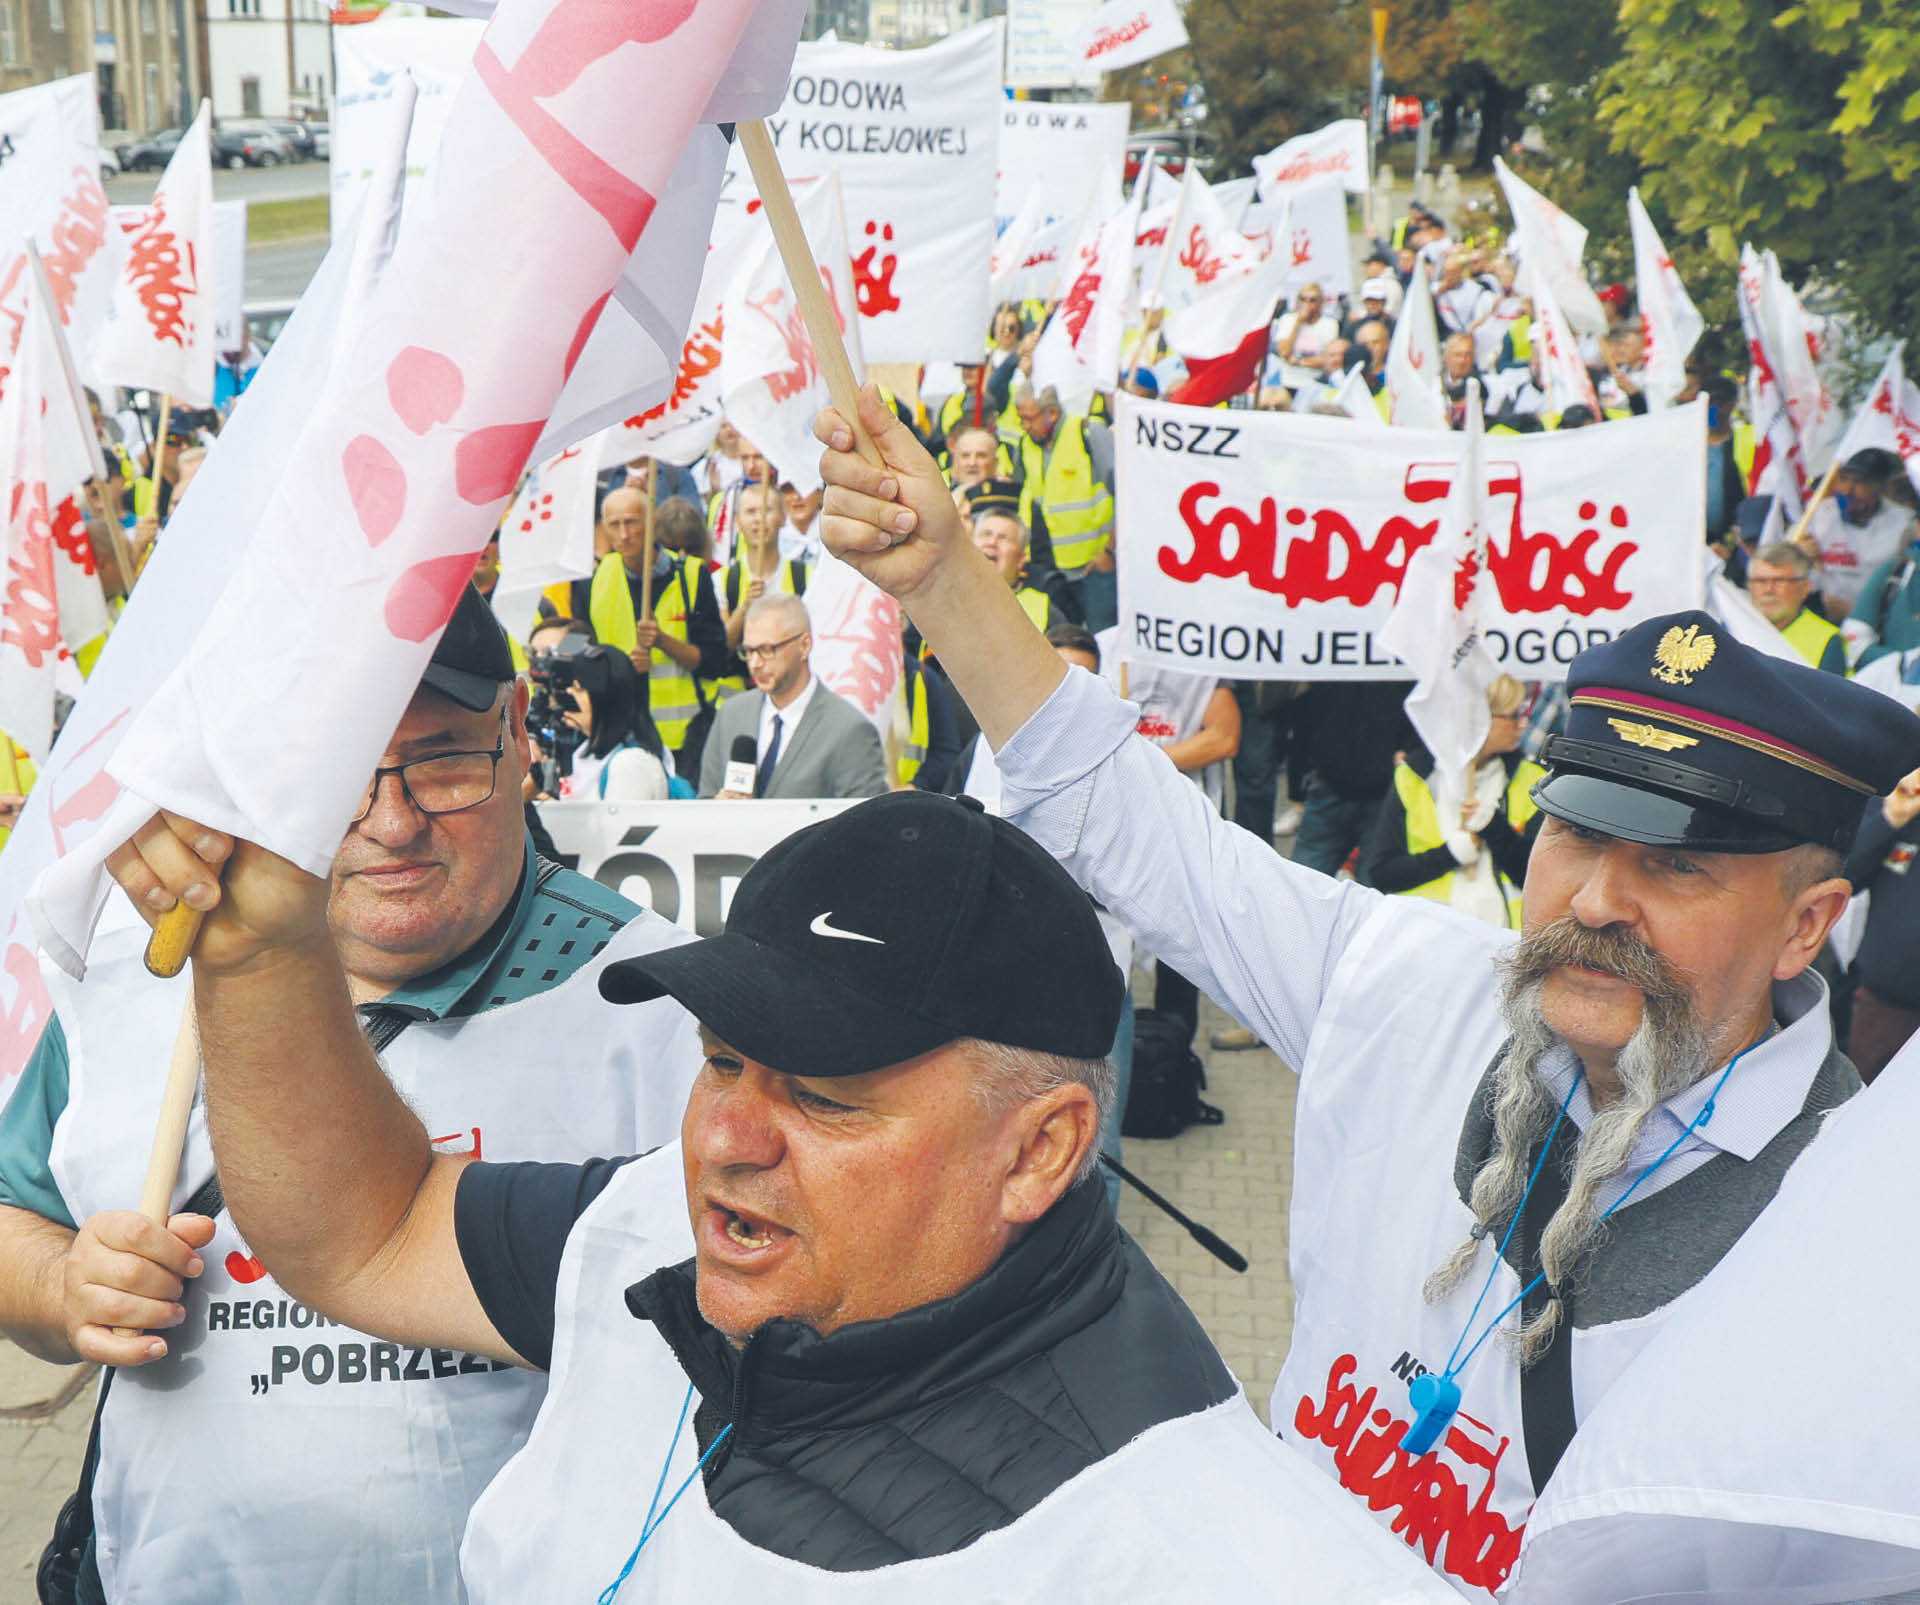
{"x":286,"y":183}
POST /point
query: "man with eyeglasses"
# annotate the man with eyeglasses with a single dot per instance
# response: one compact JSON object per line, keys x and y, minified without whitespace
{"x":1780,"y":579}
{"x":807,"y":742}
{"x":246,"y":1448}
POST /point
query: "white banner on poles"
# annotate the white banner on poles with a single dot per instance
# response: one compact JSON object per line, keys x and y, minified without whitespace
{"x":1268,"y":545}
{"x":1071,"y":155}
{"x":1124,"y":33}
{"x":913,"y":135}
{"x":1338,"y":151}
{"x":229,"y":276}
{"x":1040,"y":44}
{"x":50,"y":193}
{"x":683,"y":860}
{"x":370,"y":60}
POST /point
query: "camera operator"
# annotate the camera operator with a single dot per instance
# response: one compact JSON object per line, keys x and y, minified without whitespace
{"x":596,"y":713}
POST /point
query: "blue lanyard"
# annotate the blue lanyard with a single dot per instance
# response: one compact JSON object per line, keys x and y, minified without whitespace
{"x":652,"y":1524}
{"x":1436,"y":1398}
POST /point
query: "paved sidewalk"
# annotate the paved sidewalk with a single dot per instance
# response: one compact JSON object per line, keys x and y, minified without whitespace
{"x":1235,"y":1179}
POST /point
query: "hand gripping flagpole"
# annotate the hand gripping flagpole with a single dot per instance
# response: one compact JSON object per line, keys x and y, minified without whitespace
{"x":823,"y":328}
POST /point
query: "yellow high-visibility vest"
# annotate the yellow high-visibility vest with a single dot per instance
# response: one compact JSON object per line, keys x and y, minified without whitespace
{"x":673,"y":694}
{"x":1809,"y":634}
{"x":913,"y":751}
{"x":1079,"y":508}
{"x":1037,"y":605}
{"x":1424,"y":832}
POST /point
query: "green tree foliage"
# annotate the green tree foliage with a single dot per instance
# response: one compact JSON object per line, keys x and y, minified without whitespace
{"x":1273,"y":69}
{"x":1797,"y":127}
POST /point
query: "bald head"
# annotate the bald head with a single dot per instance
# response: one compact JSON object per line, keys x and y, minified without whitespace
{"x":624,"y":516}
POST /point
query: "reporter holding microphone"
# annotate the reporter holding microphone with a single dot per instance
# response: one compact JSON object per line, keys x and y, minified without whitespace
{"x":790,"y":736}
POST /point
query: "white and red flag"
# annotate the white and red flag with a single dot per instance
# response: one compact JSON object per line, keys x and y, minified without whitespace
{"x":1206,"y":244}
{"x":769,"y":371}
{"x":1437,"y":626}
{"x":50,"y":599}
{"x":50,"y":194}
{"x":1036,"y":274}
{"x":1011,"y":249}
{"x":1415,"y":399}
{"x":460,"y":351}
{"x":1667,"y":313}
{"x":547,"y":535}
{"x":1550,"y":246}
{"x":1889,"y":418}
{"x":1124,"y":33}
{"x":856,"y":641}
{"x":1563,"y":375}
{"x":1338,"y":151}
{"x":1223,"y":334}
{"x":1079,"y":352}
{"x":1780,"y":458}
{"x":1311,"y":233}
{"x":159,"y":333}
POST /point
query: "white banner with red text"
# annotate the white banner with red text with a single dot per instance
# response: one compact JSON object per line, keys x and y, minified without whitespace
{"x":1124,"y":33}
{"x":1338,"y":151}
{"x":1270,"y":545}
{"x":1072,"y":155}
{"x":914,"y":136}
{"x":683,"y":860}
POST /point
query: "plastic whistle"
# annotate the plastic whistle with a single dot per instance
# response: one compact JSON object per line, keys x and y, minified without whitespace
{"x":1436,"y":1400}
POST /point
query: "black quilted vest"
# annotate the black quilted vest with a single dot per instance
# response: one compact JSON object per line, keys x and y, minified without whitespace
{"x":906,"y":1438}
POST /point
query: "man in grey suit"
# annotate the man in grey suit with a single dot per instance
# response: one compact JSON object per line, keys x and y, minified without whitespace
{"x":807,"y":741}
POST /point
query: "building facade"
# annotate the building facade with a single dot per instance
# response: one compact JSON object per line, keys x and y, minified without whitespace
{"x":139,"y":52}
{"x":269,"y":58}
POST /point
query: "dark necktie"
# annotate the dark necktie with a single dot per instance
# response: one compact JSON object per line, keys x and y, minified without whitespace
{"x":765,"y":777}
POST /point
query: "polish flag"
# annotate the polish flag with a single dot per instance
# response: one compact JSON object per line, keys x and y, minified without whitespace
{"x":1223,"y":336}
{"x":1207,"y":247}
{"x":159,"y":333}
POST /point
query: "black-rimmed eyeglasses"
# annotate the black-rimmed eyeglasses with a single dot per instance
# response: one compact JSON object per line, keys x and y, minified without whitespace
{"x":446,"y":783}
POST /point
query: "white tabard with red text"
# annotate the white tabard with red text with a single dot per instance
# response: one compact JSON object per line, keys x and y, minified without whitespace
{"x":913,"y":135}
{"x":1270,"y":546}
{"x":1409,"y":1023}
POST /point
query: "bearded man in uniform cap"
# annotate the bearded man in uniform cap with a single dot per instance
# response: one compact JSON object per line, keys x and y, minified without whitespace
{"x":1511,"y":1155}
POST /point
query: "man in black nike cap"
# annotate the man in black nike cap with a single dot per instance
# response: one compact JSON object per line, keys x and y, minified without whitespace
{"x":872,"y":1290}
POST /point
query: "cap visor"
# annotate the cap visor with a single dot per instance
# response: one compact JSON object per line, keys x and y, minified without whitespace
{"x":475,"y":692}
{"x":774,"y":1009}
{"x":1652,"y":818}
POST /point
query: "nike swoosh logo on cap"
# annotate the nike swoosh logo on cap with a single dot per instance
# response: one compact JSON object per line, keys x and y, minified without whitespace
{"x":822,"y":926}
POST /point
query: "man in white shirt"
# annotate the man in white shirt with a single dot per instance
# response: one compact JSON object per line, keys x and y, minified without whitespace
{"x":1302,"y":335}
{"x":1856,"y":529}
{"x":1675,"y":901}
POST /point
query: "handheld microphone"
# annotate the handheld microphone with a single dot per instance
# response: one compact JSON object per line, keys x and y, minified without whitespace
{"x":1215,"y":1245}
{"x":741,"y":773}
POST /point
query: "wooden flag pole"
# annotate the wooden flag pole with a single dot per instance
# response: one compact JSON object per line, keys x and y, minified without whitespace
{"x":160,"y":448}
{"x":1819,"y":495}
{"x":170,"y":1131}
{"x":646,"y":551}
{"x":823,"y":328}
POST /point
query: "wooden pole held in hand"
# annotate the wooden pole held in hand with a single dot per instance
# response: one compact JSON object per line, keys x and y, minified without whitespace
{"x":172,"y":941}
{"x":646,"y":549}
{"x":823,"y":328}
{"x":1819,"y":495}
{"x":160,"y":448}
{"x":170,"y":1132}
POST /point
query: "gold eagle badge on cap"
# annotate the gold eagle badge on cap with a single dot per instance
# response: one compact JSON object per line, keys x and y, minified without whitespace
{"x":1682,"y":654}
{"x":1646,"y":735}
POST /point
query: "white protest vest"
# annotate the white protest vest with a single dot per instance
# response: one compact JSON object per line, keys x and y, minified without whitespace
{"x":277,"y":1456}
{"x":1207,"y":1507}
{"x":1409,"y":1024}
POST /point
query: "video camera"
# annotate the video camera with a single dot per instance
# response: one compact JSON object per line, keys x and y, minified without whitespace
{"x":553,"y":674}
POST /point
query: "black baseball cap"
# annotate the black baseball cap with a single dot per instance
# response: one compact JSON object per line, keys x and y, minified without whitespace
{"x":473,"y":659}
{"x":994,"y":496}
{"x":886,"y":932}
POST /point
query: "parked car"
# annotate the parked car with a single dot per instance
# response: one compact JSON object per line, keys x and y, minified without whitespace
{"x":109,"y":165}
{"x":238,"y":143}
{"x":265,"y":320}
{"x":322,"y":140}
{"x":151,"y":153}
{"x":298,"y":135}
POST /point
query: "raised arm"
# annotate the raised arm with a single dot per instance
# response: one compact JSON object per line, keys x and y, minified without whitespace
{"x":328,"y":1174}
{"x":1257,"y":933}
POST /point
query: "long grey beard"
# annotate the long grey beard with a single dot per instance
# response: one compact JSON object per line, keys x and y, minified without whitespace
{"x":1667,"y":1054}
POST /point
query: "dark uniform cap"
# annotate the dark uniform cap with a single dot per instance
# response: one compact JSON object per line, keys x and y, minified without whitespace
{"x":886,"y":932}
{"x":1872,"y":463}
{"x":1678,"y":735}
{"x":473,"y":658}
{"x":994,"y":496}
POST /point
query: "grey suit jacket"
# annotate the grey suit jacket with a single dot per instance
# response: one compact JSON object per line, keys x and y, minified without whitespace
{"x":833,"y":752}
